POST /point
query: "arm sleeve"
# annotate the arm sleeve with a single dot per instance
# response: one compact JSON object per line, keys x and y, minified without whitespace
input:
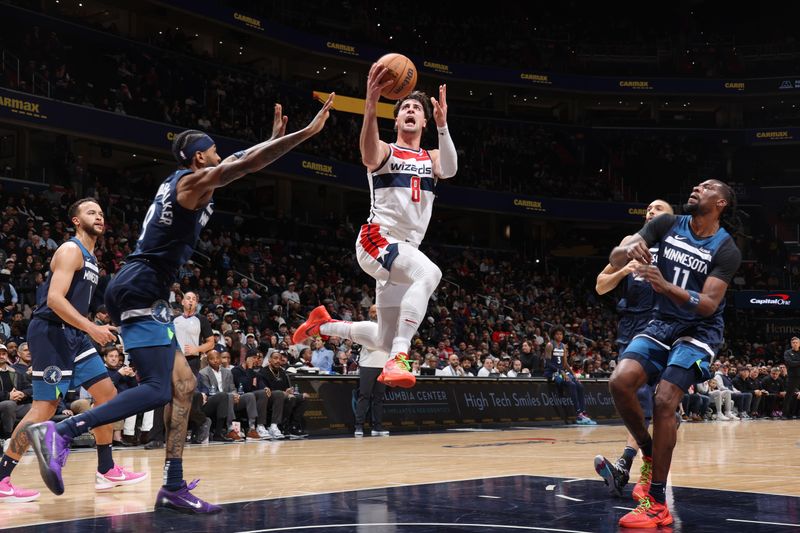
{"x":448,"y":157}
{"x":653,"y":231}
{"x":726,"y":262}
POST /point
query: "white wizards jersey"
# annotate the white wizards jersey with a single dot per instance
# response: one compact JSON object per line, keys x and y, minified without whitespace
{"x":402,"y":194}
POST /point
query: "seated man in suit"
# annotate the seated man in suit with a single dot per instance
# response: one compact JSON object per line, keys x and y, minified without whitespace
{"x":218,"y":378}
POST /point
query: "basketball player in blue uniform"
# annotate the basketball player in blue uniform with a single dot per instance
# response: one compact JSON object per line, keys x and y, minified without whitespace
{"x":697,"y":258}
{"x":62,"y":355}
{"x":635,"y":308}
{"x":556,"y":368}
{"x":136,"y":298}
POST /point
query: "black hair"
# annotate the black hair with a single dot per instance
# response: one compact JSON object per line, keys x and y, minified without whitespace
{"x":556,"y":329}
{"x":729,"y":218}
{"x":72,"y":212}
{"x":181,"y":141}
{"x":420,"y":97}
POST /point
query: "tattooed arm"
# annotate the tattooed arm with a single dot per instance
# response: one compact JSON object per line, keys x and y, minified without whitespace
{"x":195,"y":189}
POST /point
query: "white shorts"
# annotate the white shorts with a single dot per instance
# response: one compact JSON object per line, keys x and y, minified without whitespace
{"x":376,"y":252}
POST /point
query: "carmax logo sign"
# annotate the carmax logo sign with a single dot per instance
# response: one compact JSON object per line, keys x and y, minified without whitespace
{"x":772,"y":299}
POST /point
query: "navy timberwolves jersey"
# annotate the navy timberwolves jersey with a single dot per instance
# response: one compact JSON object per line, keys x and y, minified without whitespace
{"x":638,"y":296}
{"x":169,"y":231}
{"x":687,"y":261}
{"x":80,"y":292}
{"x":557,"y":360}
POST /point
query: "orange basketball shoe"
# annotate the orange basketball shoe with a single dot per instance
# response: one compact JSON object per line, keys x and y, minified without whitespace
{"x":310,"y":328}
{"x":648,"y":515}
{"x":396,"y":372}
{"x":642,"y":487}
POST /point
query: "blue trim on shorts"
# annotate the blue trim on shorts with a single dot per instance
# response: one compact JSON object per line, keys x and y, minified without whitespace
{"x":687,"y":355}
{"x":650,"y":354}
{"x":88,"y":371}
{"x":147,"y":333}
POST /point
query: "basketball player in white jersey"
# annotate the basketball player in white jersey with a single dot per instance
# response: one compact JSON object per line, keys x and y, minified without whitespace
{"x":402,"y":177}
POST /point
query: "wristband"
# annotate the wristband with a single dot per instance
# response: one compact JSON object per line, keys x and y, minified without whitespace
{"x":693,"y":302}
{"x":443,"y":130}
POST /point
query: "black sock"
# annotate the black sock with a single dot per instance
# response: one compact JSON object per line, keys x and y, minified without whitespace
{"x":7,"y":465}
{"x":626,"y":460}
{"x":647,"y":448}
{"x":105,"y":461}
{"x":173,"y":474}
{"x":658,"y":492}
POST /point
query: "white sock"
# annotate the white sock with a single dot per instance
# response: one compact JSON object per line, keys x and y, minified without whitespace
{"x":406,"y":328}
{"x":364,"y":333}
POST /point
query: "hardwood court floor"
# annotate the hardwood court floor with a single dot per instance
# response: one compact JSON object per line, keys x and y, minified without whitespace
{"x":754,"y":456}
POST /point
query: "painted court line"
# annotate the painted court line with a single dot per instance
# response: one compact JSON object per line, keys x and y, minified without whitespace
{"x":759,"y":522}
{"x":425,"y":524}
{"x":487,"y":496}
{"x":568,"y":498}
{"x":623,"y":508}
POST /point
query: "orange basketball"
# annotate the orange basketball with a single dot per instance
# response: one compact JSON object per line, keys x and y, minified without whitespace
{"x":404,"y":73}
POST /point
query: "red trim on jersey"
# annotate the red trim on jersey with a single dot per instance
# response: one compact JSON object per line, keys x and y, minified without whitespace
{"x":371,"y":239}
{"x":407,"y":153}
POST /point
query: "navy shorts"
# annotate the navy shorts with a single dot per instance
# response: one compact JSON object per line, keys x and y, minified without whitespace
{"x":629,"y":326}
{"x":136,"y":299}
{"x":62,"y":358}
{"x":664,"y":344}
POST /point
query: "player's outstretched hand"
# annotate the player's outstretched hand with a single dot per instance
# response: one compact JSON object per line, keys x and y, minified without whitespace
{"x":318,"y":122}
{"x":278,"y":123}
{"x":440,"y":107}
{"x":103,"y":335}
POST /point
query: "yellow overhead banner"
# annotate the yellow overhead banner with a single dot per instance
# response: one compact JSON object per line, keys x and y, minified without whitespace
{"x":355,"y":105}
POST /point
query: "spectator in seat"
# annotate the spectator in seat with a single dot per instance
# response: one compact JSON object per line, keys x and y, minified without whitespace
{"x":468,"y":364}
{"x":287,"y":404}
{"x":322,"y":357}
{"x":517,"y":370}
{"x":453,"y":368}
{"x":488,"y":368}
{"x":756,"y":381}
{"x":776,"y":388}
{"x":695,"y":404}
{"x":23,"y":367}
{"x":741,"y":399}
{"x":8,"y":294}
{"x":218,"y":380}
{"x":123,"y":378}
{"x":12,"y":398}
{"x":743,"y":383}
{"x":251,"y":380}
{"x":722,"y":399}
{"x":529,"y":358}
